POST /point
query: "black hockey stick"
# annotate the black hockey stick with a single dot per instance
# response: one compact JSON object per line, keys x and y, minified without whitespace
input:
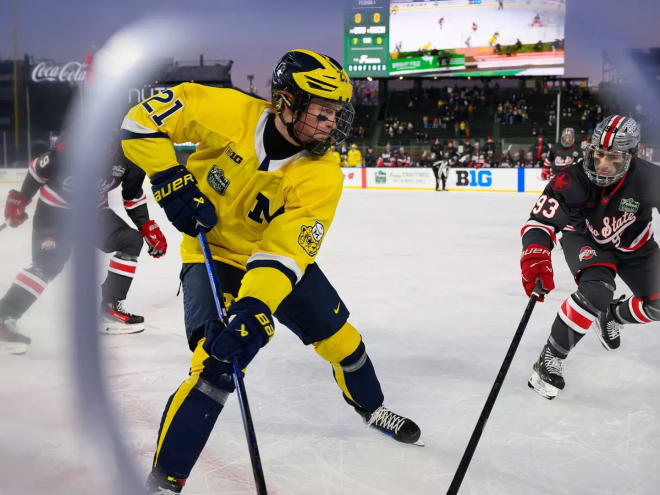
{"x":492,"y":397}
{"x":255,"y":459}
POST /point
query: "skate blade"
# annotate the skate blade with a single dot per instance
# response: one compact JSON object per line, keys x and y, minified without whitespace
{"x":120,"y":328}
{"x":419,"y":441}
{"x":15,"y":348}
{"x":542,"y":388}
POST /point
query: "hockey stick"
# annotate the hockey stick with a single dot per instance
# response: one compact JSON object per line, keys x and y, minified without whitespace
{"x":3,"y":226}
{"x":492,"y":397}
{"x":255,"y":459}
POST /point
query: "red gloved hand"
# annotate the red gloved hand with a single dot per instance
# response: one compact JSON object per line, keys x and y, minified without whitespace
{"x":15,"y":208}
{"x":535,"y":263}
{"x":154,"y":238}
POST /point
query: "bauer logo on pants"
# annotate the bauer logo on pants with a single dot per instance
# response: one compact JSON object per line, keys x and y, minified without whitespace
{"x":586,"y":253}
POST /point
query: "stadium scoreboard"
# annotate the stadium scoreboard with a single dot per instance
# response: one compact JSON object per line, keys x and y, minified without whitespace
{"x":455,"y":38}
{"x":366,"y":38}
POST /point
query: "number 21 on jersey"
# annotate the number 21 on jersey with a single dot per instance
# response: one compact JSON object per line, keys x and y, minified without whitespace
{"x":164,"y":97}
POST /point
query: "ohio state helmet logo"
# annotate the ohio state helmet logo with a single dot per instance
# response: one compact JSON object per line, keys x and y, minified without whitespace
{"x":586,"y":253}
{"x":48,"y":244}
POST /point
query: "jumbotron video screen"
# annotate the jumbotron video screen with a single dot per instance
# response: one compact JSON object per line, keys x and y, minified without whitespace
{"x":462,"y":37}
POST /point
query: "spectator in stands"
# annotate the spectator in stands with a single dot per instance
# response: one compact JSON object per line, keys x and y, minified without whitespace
{"x":451,"y":149}
{"x":539,"y":150}
{"x":403,"y":158}
{"x":516,"y":160}
{"x":335,"y":154}
{"x":468,"y":149}
{"x":354,"y":156}
{"x":386,"y":158}
{"x":370,"y":157}
{"x":343,"y":152}
{"x":436,"y":147}
{"x":506,"y":161}
{"x":490,"y":159}
{"x":490,"y":145}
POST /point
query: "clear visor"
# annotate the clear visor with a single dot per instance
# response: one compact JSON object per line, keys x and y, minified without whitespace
{"x":567,"y":140}
{"x":605,"y":167}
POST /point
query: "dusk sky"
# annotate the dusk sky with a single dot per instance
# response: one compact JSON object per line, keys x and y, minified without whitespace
{"x":255,"y":33}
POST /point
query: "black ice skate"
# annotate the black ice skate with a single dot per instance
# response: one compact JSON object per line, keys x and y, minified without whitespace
{"x":116,"y":320}
{"x":160,"y":484}
{"x":12,"y":342}
{"x":547,"y":374}
{"x":609,"y":326}
{"x":399,"y":428}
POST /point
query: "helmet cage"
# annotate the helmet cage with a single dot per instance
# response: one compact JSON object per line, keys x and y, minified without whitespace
{"x":620,"y":161}
{"x":567,"y":137}
{"x":299,"y":105}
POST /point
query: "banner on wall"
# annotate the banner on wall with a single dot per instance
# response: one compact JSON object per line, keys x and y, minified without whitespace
{"x":353,"y":177}
{"x":460,"y":179}
{"x":400,"y":178}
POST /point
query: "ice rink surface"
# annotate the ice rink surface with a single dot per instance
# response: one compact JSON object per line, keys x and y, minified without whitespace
{"x":432,"y":281}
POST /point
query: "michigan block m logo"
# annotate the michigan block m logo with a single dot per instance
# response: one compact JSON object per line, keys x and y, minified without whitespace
{"x":261,"y":210}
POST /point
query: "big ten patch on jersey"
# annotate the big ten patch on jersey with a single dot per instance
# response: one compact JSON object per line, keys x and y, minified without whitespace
{"x":222,"y":167}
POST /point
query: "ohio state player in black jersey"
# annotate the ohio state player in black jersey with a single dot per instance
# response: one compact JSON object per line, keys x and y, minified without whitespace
{"x":603,"y":207}
{"x":566,"y":154}
{"x":49,"y":178}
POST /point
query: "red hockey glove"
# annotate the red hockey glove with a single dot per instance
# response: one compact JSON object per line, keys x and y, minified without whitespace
{"x":15,"y":208}
{"x":154,"y":238}
{"x":535,"y":263}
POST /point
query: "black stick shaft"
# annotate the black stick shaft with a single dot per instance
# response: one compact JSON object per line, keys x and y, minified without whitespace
{"x":492,"y":397}
{"x":250,"y":435}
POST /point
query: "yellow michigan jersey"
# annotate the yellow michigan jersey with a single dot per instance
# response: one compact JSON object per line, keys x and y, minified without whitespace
{"x":272,"y":214}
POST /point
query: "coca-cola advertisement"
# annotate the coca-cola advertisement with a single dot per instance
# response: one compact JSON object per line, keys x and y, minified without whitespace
{"x":71,"y":72}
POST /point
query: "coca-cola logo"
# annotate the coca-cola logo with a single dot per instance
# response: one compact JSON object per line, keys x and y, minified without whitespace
{"x":72,"y":72}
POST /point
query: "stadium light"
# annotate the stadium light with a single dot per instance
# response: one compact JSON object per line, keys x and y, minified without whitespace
{"x":400,"y":77}
{"x":369,"y":78}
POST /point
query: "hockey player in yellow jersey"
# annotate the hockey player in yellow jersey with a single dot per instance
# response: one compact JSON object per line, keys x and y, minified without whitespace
{"x":265,"y":188}
{"x":354,"y":156}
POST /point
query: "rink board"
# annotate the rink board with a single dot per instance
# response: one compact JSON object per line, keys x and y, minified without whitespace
{"x":460,"y":179}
